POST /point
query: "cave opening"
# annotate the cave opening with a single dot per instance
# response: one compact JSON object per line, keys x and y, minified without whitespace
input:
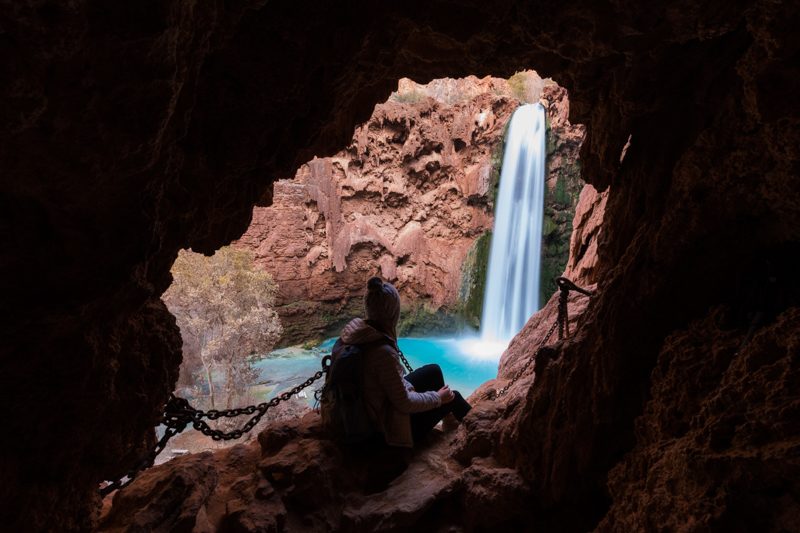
{"x":130,"y":133}
{"x":412,"y":200}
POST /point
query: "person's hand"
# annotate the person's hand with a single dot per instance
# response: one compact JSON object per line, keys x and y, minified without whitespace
{"x":446,"y":395}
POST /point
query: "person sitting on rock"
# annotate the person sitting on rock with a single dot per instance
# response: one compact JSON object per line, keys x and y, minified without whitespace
{"x":402,"y":408}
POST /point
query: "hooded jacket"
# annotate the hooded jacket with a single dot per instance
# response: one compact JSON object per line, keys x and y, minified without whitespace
{"x":389,"y":398}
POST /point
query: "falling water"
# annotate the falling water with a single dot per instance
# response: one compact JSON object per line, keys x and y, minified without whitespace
{"x":512,"y":285}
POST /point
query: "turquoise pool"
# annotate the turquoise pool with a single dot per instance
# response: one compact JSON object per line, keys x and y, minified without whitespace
{"x":464,"y":372}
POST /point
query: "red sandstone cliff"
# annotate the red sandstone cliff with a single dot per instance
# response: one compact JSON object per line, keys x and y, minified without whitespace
{"x":406,"y":200}
{"x":586,"y":236}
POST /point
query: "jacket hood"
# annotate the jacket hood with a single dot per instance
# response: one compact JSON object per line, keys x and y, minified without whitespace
{"x":357,"y":331}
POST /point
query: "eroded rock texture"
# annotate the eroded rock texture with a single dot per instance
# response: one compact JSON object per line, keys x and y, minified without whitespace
{"x":410,"y":200}
{"x":586,"y":234}
{"x":724,"y":402}
{"x":131,"y":130}
{"x":406,"y":200}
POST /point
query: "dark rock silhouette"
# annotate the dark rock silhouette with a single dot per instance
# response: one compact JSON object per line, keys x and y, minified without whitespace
{"x":132,"y":130}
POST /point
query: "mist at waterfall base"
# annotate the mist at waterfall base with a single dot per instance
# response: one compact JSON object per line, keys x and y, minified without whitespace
{"x":512,"y":281}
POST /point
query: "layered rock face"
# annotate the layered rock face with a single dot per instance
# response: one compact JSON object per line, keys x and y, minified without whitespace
{"x":586,"y":235}
{"x":132,"y":130}
{"x":408,"y":200}
{"x":405,"y":200}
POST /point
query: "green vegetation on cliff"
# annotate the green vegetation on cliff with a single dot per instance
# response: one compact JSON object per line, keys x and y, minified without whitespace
{"x":559,"y":210}
{"x":473,"y":279}
{"x":497,"y":166}
{"x":410,"y":97}
{"x":421,"y":321}
{"x":321,"y":320}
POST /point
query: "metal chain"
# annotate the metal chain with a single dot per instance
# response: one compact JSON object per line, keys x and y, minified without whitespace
{"x":565,"y":285}
{"x":260,"y":410}
{"x":404,"y":360}
{"x":562,"y":321}
{"x":178,"y":414}
{"x":499,"y":392}
{"x":563,"y":315}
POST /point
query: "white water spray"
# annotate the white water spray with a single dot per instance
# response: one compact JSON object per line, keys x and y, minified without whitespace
{"x":512,"y":281}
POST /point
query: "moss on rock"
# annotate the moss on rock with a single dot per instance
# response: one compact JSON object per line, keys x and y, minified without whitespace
{"x":559,"y":209}
{"x":320,"y":320}
{"x":473,"y":279}
{"x":422,"y":321}
{"x":497,"y":164}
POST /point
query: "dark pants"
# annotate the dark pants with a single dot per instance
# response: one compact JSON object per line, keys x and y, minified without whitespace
{"x":427,"y":378}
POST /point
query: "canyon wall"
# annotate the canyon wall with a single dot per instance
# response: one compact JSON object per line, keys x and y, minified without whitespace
{"x":411,"y":200}
{"x":587,"y":227}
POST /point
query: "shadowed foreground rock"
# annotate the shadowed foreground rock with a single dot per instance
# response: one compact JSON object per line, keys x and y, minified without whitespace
{"x":304,"y":482}
{"x":724,"y":403}
{"x":296,"y":479}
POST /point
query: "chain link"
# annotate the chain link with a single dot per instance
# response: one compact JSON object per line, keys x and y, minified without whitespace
{"x":178,"y":414}
{"x":562,"y":322}
{"x":404,"y":360}
{"x":493,"y":395}
{"x":563,"y":315}
{"x":258,"y":411}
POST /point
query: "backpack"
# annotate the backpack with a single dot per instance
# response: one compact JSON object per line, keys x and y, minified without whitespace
{"x":342,"y":407}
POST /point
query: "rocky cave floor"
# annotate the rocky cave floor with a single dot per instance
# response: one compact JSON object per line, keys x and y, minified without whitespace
{"x":293,"y":477}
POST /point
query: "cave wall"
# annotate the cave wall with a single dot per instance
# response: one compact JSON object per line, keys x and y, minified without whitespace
{"x":587,"y":230}
{"x":131,"y":131}
{"x":693,"y":221}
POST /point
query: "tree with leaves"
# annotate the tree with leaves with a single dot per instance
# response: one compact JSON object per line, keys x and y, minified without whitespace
{"x":223,"y":306}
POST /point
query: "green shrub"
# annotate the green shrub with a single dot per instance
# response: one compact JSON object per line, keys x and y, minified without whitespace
{"x":411,"y":97}
{"x":518,"y":83}
{"x":311,"y":344}
{"x":421,"y":321}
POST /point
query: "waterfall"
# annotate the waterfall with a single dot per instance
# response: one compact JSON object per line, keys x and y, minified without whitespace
{"x":512,"y":281}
